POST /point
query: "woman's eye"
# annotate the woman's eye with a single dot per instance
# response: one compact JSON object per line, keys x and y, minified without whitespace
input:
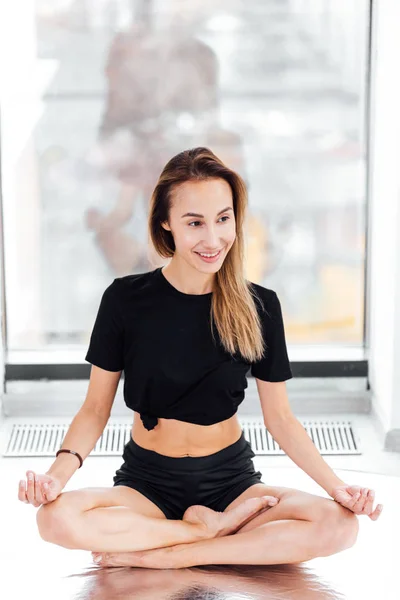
{"x":225,"y":217}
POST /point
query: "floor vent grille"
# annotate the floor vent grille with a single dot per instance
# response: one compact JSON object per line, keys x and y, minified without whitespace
{"x":44,"y":439}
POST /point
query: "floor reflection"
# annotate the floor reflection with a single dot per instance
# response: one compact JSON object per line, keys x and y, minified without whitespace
{"x":230,"y":582}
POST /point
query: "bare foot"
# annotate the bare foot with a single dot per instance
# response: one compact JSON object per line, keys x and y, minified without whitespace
{"x":155,"y":558}
{"x":219,"y":524}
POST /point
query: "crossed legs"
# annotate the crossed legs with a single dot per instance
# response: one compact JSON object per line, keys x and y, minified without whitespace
{"x":121,"y":519}
{"x":300,"y":527}
{"x":128,"y":529}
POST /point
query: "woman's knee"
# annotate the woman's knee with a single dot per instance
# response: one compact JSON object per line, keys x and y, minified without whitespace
{"x":56,"y":522}
{"x":337,"y":530}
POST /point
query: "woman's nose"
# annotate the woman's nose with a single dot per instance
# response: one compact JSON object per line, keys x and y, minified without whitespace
{"x":211,"y":239}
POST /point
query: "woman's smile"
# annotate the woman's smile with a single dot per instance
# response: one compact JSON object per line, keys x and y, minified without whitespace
{"x":208,"y":257}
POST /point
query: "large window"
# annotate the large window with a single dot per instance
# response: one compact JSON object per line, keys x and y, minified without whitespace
{"x":97,"y":96}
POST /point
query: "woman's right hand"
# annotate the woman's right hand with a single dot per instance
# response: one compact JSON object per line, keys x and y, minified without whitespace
{"x":38,"y":489}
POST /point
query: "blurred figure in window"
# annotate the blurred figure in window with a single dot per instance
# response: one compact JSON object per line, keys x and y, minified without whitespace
{"x":162,"y":98}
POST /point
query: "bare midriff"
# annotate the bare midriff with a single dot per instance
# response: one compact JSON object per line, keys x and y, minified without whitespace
{"x":178,"y":438}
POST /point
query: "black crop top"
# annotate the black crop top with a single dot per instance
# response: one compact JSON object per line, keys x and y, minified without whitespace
{"x":161,"y":339}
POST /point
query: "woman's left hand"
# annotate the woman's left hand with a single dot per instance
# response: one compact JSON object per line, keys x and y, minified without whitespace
{"x":357,"y":499}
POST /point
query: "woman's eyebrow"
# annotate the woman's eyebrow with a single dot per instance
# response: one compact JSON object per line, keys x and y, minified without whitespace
{"x":190,"y":214}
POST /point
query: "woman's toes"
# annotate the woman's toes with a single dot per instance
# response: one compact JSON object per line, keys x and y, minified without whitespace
{"x":253,"y":505}
{"x":240,"y":515}
{"x":119,"y":559}
{"x":97,"y":557}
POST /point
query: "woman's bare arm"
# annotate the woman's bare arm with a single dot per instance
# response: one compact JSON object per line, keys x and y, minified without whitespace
{"x":88,"y":424}
{"x":82,"y":435}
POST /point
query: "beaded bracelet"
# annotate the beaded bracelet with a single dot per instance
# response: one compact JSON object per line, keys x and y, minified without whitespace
{"x":71,"y":452}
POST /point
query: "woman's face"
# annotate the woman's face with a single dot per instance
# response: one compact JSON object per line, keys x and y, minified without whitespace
{"x":202,"y":221}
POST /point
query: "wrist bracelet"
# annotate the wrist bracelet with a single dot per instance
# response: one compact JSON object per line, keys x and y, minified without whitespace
{"x":71,"y":452}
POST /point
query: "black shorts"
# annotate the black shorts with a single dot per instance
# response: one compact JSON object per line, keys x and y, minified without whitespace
{"x":175,"y":483}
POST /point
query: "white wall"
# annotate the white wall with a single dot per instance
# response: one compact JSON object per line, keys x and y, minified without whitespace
{"x":2,"y":323}
{"x":384,"y":221}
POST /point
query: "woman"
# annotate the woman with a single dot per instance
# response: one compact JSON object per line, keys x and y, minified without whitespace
{"x":185,"y":335}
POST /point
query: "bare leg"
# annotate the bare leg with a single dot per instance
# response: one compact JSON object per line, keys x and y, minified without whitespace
{"x":278,"y":542}
{"x":300,"y":527}
{"x":123,"y":529}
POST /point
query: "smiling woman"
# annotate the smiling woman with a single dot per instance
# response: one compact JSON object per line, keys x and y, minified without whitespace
{"x":197,"y":184}
{"x":185,"y":336}
{"x":179,"y":373}
{"x":211,"y":255}
{"x":211,"y":237}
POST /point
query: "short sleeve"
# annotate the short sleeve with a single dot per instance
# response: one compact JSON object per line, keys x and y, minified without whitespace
{"x":106,"y":346}
{"x":275,"y":365}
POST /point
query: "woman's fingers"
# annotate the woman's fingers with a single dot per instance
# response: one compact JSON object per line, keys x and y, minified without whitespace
{"x":362,"y":498}
{"x":22,"y":492}
{"x":377,"y":512}
{"x":363,"y":504}
{"x":38,"y":490}
{"x":369,"y":504}
{"x":30,"y":493}
{"x":354,"y":503}
{"x":47,"y":492}
{"x":35,"y":491}
{"x":361,"y":501}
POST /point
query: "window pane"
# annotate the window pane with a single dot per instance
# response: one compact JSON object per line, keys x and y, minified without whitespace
{"x":100,"y":95}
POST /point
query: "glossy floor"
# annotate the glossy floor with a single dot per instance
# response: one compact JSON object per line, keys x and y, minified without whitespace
{"x":32,"y":568}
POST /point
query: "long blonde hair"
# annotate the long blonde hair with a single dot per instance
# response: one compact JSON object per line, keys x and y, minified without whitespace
{"x":233,"y":308}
